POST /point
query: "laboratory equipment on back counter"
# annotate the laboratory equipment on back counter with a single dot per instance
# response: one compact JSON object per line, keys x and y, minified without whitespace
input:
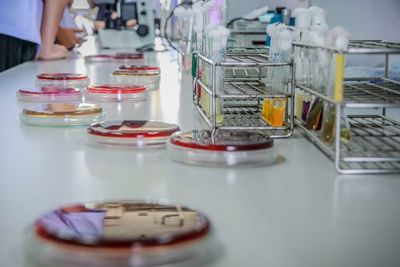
{"x":118,"y":16}
{"x":249,"y":30}
{"x":121,"y":233}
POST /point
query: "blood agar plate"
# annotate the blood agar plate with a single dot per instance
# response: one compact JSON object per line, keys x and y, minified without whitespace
{"x":139,"y":75}
{"x":117,"y":57}
{"x":73,"y":80}
{"x":129,"y":56}
{"x":221,"y":148}
{"x":116,"y":92}
{"x":120,"y":234}
{"x":62,"y":114}
{"x":99,"y":58}
{"x":130,"y":133}
{"x":49,"y":94}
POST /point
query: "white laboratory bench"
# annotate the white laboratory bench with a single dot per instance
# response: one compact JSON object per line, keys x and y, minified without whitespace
{"x":299,"y":212}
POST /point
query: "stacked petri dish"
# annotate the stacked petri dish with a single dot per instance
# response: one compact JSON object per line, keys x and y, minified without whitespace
{"x":221,"y":148}
{"x":67,"y":80}
{"x":62,"y":114}
{"x":117,"y":57}
{"x":120,"y":233}
{"x":148,"y":76}
{"x":130,"y":133}
{"x":115,"y":92}
{"x":49,"y":94}
{"x":99,"y":58}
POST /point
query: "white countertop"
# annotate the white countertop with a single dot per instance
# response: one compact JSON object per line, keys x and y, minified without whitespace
{"x":296,"y":213}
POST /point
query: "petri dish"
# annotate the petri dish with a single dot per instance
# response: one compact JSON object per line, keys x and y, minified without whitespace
{"x":114,"y":57}
{"x":130,"y":133}
{"x":120,"y":233}
{"x":73,"y":80}
{"x":62,"y":114}
{"x":115,"y":92}
{"x":49,"y":94}
{"x":99,"y":58}
{"x":129,"y":56}
{"x":221,"y":148}
{"x":138,"y":74}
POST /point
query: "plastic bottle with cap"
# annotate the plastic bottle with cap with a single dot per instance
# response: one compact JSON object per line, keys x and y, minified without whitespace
{"x":198,"y":13}
{"x":318,"y":15}
{"x":318,"y":56}
{"x":215,"y":12}
{"x":216,"y":43}
{"x":318,"y":38}
{"x":281,"y":46}
{"x":302,"y":23}
{"x":338,"y":39}
{"x":220,"y":39}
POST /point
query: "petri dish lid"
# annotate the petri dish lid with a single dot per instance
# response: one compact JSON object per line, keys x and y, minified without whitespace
{"x":62,"y":76}
{"x":116,"y":89}
{"x":222,"y":140}
{"x":50,"y":90}
{"x":139,"y":67}
{"x":128,"y":56}
{"x":132,"y":129}
{"x":99,"y":58}
{"x":48,"y":93}
{"x":122,"y":224}
{"x":63,"y":109}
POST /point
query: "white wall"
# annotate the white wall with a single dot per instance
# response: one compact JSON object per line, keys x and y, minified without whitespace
{"x":365,"y":19}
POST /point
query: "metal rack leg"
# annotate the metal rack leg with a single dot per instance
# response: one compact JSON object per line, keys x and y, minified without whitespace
{"x":214,"y":97}
{"x":337,"y":139}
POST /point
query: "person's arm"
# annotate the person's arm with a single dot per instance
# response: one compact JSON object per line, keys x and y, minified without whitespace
{"x":52,"y":12}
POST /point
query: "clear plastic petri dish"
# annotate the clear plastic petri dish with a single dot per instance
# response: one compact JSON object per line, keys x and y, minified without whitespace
{"x":99,"y":58}
{"x":221,"y":148}
{"x":137,"y":74}
{"x":117,"y":57}
{"x":120,"y":233}
{"x":49,"y":94}
{"x":62,"y":114}
{"x":72,"y":80}
{"x":129,"y":56}
{"x":116,"y":92}
{"x":130,"y":133}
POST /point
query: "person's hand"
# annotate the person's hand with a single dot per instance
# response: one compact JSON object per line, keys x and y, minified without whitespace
{"x":67,"y":37}
{"x":55,"y":51}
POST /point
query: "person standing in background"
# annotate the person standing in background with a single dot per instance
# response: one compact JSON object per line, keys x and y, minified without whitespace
{"x":28,"y":30}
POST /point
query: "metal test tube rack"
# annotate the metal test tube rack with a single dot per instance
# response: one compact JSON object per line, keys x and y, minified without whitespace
{"x":374,"y":146}
{"x":243,"y":95}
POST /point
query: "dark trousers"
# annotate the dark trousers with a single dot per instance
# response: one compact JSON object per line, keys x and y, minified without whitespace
{"x":14,"y":51}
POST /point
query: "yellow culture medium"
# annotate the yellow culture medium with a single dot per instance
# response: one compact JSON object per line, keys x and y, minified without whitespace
{"x":273,"y":111}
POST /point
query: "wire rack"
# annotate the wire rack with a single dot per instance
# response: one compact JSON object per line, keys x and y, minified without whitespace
{"x":368,"y":92}
{"x":248,"y":50}
{"x":244,"y":88}
{"x":374,"y":146}
{"x":242,"y":117}
{"x":374,"y":46}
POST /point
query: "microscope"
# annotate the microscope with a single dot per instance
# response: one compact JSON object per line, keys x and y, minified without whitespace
{"x":118,"y":15}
